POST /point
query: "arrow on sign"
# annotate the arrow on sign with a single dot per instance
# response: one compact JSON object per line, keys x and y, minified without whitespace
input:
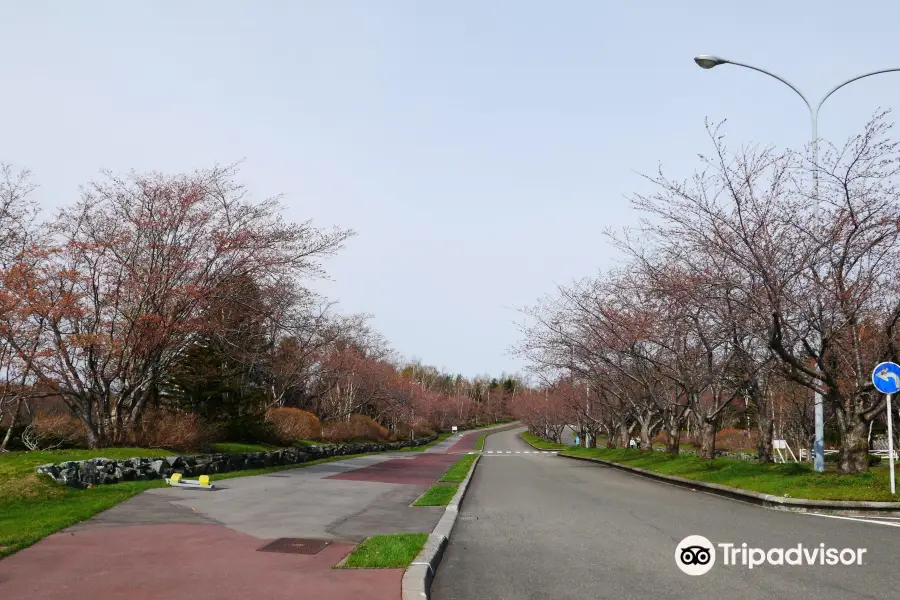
{"x":887,"y":375}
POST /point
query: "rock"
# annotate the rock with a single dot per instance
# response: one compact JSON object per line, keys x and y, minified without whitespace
{"x":88,"y":473}
{"x":175,"y":461}
{"x":101,"y":470}
{"x":158,"y":466}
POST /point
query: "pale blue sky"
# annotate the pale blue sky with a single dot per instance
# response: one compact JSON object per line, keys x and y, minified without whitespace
{"x":479,"y":147}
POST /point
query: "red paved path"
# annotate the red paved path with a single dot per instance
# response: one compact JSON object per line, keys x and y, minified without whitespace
{"x":466,"y":444}
{"x":177,"y":561}
{"x":424,"y":469}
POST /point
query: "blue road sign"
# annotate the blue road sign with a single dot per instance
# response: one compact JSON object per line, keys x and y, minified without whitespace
{"x":886,"y":378}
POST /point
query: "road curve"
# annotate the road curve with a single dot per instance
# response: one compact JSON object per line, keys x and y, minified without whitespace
{"x":537,"y":526}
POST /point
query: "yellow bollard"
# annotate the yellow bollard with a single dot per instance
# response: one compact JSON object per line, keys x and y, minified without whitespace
{"x":204,"y":480}
{"x":175,"y":478}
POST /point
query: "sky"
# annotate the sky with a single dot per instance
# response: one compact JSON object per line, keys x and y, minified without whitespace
{"x":479,"y":148}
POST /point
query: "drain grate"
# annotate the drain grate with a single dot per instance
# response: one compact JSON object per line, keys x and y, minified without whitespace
{"x":294,"y":546}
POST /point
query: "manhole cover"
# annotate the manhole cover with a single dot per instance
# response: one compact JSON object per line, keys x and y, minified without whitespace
{"x":294,"y":546}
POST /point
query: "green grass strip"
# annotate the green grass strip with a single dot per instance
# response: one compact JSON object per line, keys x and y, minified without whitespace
{"x":793,"y":480}
{"x":458,"y":472}
{"x":386,"y":551}
{"x":540,"y":443}
{"x":239,"y":448}
{"x":438,"y":495}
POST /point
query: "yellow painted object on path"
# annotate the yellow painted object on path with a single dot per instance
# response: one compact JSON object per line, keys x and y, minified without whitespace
{"x":198,"y":484}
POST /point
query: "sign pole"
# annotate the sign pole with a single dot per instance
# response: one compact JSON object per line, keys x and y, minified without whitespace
{"x":890,"y":423}
{"x":886,"y":379}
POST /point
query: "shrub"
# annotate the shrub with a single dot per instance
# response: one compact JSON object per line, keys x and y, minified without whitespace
{"x":173,"y":430}
{"x":405,"y":431}
{"x":291,"y":424}
{"x":422,"y":427}
{"x":358,"y":427}
{"x":735,"y":439}
{"x":49,"y":430}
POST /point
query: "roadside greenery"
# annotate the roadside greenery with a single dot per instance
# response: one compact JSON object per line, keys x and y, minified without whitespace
{"x":540,"y":443}
{"x":793,"y":480}
{"x":386,"y":551}
{"x":237,"y":447}
{"x":439,"y":494}
{"x":458,"y":472}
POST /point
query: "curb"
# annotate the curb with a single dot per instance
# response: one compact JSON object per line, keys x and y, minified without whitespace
{"x":541,"y":449}
{"x":416,"y":583}
{"x":765,"y":500}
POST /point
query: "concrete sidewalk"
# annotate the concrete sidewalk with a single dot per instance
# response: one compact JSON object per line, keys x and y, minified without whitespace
{"x":175,"y":542}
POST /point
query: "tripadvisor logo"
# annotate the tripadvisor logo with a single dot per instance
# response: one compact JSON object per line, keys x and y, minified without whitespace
{"x":696,"y":555}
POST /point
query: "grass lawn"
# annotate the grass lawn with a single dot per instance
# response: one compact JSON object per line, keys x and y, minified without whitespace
{"x":33,"y":506}
{"x":458,"y":472}
{"x":239,"y":448}
{"x":386,"y":551}
{"x":540,"y":443}
{"x":795,"y":480}
{"x":437,"y":495}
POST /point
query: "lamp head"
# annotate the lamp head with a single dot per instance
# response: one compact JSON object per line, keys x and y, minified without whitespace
{"x":705,"y":61}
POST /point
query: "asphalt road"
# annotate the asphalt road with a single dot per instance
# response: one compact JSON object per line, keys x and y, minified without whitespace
{"x":544,"y":527}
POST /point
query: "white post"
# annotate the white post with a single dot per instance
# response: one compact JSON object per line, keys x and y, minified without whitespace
{"x":890,"y":420}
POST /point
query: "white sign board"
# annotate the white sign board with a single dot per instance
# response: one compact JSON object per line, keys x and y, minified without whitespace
{"x":779,"y":444}
{"x":454,"y":428}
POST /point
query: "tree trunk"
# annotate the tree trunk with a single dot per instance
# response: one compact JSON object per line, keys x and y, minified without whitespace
{"x":766,"y":432}
{"x":646,"y":441}
{"x":854,"y":444}
{"x":708,"y":428}
{"x":612,"y":438}
{"x":673,"y":434}
{"x":94,"y":439}
{"x":624,"y":435}
{"x":13,"y":422}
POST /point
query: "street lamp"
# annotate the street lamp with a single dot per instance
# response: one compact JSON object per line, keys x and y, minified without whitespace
{"x":706,"y":61}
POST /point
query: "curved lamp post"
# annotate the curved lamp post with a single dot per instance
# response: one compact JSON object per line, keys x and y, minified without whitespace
{"x":705,"y":61}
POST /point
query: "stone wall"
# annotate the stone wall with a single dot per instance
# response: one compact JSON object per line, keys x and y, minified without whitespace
{"x":97,"y":471}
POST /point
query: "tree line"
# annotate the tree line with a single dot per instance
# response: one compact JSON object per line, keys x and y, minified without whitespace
{"x":159,"y":294}
{"x":743,"y":293}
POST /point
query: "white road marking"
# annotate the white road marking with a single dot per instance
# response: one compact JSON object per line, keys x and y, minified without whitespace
{"x":508,"y":452}
{"x":490,"y":451}
{"x":861,"y":520}
{"x":517,"y":452}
